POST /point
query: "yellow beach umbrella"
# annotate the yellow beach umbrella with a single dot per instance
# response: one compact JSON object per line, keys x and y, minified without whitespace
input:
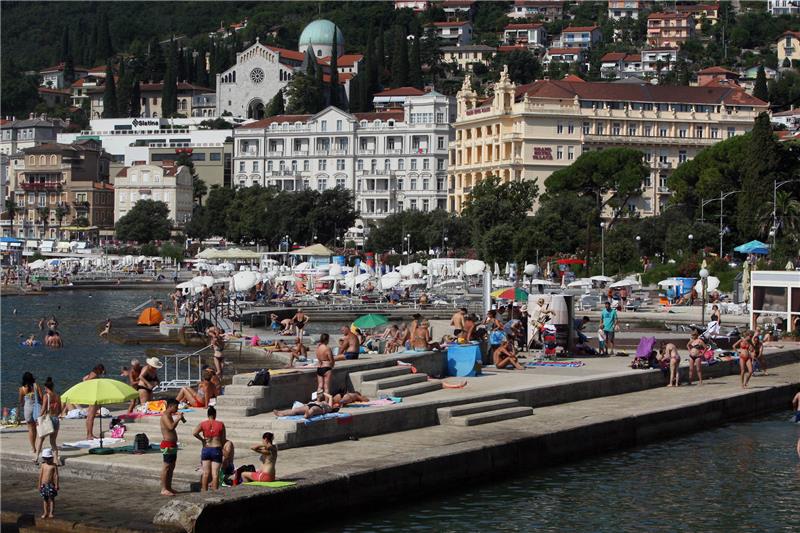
{"x":99,"y":391}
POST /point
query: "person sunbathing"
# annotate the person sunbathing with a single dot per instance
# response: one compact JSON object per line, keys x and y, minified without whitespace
{"x":298,"y":352}
{"x":342,"y":398}
{"x":269,"y":456}
{"x":200,"y":397}
{"x":504,"y":356}
{"x":309,"y":410}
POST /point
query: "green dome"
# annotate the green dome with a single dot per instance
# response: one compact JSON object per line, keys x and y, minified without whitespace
{"x":320,"y":33}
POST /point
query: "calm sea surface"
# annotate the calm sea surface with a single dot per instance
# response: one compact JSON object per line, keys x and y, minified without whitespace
{"x":78,"y":313}
{"x":742,"y":477}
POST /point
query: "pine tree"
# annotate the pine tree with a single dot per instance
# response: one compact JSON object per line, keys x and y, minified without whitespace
{"x":415,"y":64}
{"x":169,"y":91}
{"x":276,"y":105}
{"x":103,"y":48}
{"x":366,"y":78}
{"x":682,"y":72}
{"x":200,"y":73}
{"x":760,"y":90}
{"x":758,"y":176}
{"x":380,"y":60}
{"x":155,"y":65}
{"x":135,"y":108}
{"x":400,"y":59}
{"x":124,"y":91}
{"x":333,"y":85}
{"x":110,"y":95}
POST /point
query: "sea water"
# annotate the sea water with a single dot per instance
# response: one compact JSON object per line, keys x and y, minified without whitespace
{"x":740,"y":477}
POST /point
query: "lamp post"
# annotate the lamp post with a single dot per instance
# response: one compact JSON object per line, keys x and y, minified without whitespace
{"x":444,"y":246}
{"x":773,"y":232}
{"x":408,"y":241}
{"x":704,"y":278}
{"x":691,"y":239}
{"x":638,"y":242}
{"x":603,"y":248}
{"x":721,"y":227}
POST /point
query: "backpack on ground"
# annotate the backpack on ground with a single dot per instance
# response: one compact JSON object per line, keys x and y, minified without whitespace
{"x":261,"y":379}
{"x":141,"y":443}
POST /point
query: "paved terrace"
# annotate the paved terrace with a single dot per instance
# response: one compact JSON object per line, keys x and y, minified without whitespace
{"x":584,"y":402}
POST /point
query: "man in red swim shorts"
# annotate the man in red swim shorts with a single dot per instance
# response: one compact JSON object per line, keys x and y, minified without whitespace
{"x":169,"y":445}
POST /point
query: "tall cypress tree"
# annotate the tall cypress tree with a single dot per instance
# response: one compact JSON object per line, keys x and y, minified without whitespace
{"x":760,"y":90}
{"x":200,"y":73}
{"x":124,"y":91}
{"x":415,"y":64}
{"x":169,"y":93}
{"x":380,"y":60}
{"x":66,"y":58}
{"x":367,"y":79}
{"x":103,"y":48}
{"x":276,"y":105}
{"x":110,"y":95}
{"x":180,"y":71}
{"x":400,"y":59}
{"x":90,"y":52}
{"x":333,"y":88}
{"x":135,"y":107}
{"x":154,"y":66}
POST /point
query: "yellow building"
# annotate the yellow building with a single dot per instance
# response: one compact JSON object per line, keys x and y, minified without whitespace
{"x":788,"y":48}
{"x":527,"y":132}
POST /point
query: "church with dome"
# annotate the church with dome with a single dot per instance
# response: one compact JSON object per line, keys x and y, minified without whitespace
{"x":245,"y":89}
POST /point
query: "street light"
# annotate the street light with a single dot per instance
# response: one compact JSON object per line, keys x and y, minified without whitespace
{"x":704,"y":278}
{"x":408,"y":241}
{"x":603,"y":248}
{"x":638,"y":252}
{"x":691,"y":238}
{"x":444,"y":246}
{"x":775,"y":186}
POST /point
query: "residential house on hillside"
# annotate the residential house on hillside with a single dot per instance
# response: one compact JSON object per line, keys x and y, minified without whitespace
{"x":715,"y":75}
{"x":19,"y":134}
{"x":700,"y":12}
{"x":619,"y":9}
{"x":459,"y":9}
{"x":564,"y":55}
{"x":467,"y":55}
{"x":454,"y":33}
{"x":53,"y":77}
{"x":531,"y":34}
{"x":788,"y":47}
{"x":669,"y":29}
{"x":544,"y":10}
{"x":417,"y":5}
{"x":783,"y":7}
{"x":748,"y":76}
{"x":580,"y":36}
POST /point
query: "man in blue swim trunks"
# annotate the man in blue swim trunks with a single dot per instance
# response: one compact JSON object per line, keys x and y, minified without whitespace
{"x":349,"y":345}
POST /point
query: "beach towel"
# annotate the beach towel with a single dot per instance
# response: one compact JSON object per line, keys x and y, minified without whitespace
{"x":94,"y":443}
{"x":135,"y":415}
{"x":129,"y":448}
{"x":560,"y":364}
{"x":376,"y":403}
{"x":271,"y":484}
{"x":327,"y":416}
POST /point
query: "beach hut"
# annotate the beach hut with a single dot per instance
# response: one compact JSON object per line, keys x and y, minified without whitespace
{"x":150,"y":317}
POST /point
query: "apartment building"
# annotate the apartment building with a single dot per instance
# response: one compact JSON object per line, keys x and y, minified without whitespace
{"x":580,"y":36}
{"x":619,"y":9}
{"x":788,"y":47}
{"x":544,"y":10}
{"x":783,"y":7}
{"x":467,"y":55}
{"x":532,"y":34}
{"x":647,"y":64}
{"x":527,"y":132}
{"x":16,"y":135}
{"x":564,"y":55}
{"x":459,"y":9}
{"x":669,"y":30}
{"x":392,"y":160}
{"x":700,"y":12}
{"x":454,"y":33}
{"x":61,"y":190}
{"x":167,"y":182}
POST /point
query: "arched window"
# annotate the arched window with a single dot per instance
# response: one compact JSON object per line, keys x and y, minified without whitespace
{"x":42,"y":160}
{"x":32,"y":160}
{"x":387,"y":164}
{"x":53,"y":160}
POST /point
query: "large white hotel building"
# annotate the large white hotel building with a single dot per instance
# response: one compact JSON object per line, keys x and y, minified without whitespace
{"x":392,"y":159}
{"x":527,"y":132}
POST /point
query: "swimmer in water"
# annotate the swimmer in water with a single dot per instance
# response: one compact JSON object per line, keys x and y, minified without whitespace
{"x":30,"y":341}
{"x":106,"y":328}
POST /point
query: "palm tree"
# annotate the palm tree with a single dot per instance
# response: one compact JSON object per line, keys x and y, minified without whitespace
{"x":61,"y":212}
{"x":11,"y":207}
{"x":44,"y":215}
{"x":787,"y":216}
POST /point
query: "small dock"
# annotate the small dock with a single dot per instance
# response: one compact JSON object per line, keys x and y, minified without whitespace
{"x":125,"y":330}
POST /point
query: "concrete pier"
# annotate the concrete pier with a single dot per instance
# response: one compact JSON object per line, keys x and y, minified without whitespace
{"x":429,"y":442}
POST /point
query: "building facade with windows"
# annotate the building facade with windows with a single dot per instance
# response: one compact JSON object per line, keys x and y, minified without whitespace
{"x":61,"y":189}
{"x":783,"y":7}
{"x":619,"y":9}
{"x":788,"y":47}
{"x":545,"y":10}
{"x":530,"y":131}
{"x":167,"y":182}
{"x":392,"y":160}
{"x":16,"y":135}
{"x":454,"y":33}
{"x":531,"y":34}
{"x":669,"y":30}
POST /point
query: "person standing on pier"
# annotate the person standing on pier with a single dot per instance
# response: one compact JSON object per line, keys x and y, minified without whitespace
{"x":91,"y":411}
{"x":745,"y":348}
{"x":324,"y":364}
{"x":299,"y":320}
{"x":349,"y":346}
{"x":169,"y":445}
{"x":457,"y":320}
{"x":609,"y":318}
{"x":213,"y":437}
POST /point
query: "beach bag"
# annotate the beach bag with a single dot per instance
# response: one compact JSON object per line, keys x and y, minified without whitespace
{"x":141,"y":443}
{"x":44,"y":426}
{"x":261,"y":379}
{"x":118,"y":431}
{"x":37,"y":405}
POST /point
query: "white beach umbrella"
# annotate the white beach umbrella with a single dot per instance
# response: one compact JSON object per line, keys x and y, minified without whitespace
{"x":451,"y":283}
{"x":37,"y":265}
{"x":390,"y":280}
{"x":542,"y":282}
{"x":584,"y":282}
{"x":300,"y":267}
{"x":413,"y":282}
{"x":500,"y":283}
{"x":244,"y":281}
{"x":290,"y":278}
{"x":496,"y":269}
{"x":229,"y":267}
{"x":669,"y":283}
{"x":623,"y":283}
{"x":332,"y":277}
{"x":602,"y":279}
{"x":473,"y":267}
{"x":713,"y":283}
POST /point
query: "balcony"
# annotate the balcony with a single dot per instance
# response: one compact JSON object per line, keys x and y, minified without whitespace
{"x":377,"y":172}
{"x":378,"y":192}
{"x":81,"y":204}
{"x":339,"y":151}
{"x":366,"y":151}
{"x":284,"y":174}
{"x":664,"y":190}
{"x":274,"y":153}
{"x":665,"y":165}
{"x":648,"y":140}
{"x":41,"y":186}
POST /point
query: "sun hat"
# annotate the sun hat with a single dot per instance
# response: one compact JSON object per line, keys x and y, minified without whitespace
{"x":154,"y":362}
{"x":47,"y":453}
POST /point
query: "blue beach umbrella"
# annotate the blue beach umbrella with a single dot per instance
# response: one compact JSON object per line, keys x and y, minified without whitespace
{"x":753,"y":247}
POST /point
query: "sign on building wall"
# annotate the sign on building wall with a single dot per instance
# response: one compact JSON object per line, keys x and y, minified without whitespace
{"x":542,"y":152}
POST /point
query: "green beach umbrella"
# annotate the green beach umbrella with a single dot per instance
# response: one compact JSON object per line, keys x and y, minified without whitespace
{"x":99,"y":391}
{"x":370,"y":321}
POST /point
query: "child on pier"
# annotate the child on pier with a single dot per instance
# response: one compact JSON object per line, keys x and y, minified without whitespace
{"x":48,"y":483}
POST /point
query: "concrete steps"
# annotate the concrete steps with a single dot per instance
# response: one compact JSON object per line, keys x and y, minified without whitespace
{"x":396,"y":381}
{"x":473,"y":414}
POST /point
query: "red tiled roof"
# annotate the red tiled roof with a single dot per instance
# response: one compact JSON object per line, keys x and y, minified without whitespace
{"x":718,"y":70}
{"x":182,"y":86}
{"x":346,"y":60}
{"x":696,"y":8}
{"x":526,"y":26}
{"x":613,"y":56}
{"x":458,"y":3}
{"x":401,"y":91}
{"x":449,"y":24}
{"x":572,"y":29}
{"x":343,"y":77}
{"x":639,"y":93}
{"x":123,"y":173}
{"x":288,"y":54}
{"x":511,"y":47}
{"x":667,"y":16}
{"x":60,"y":67}
{"x":394,"y":114}
{"x":98,"y":68}
{"x":715,"y":82}
{"x":633,"y":57}
{"x":561,"y":51}
{"x":48,"y":90}
{"x":795,"y":34}
{"x":536,"y":3}
{"x":574,"y":79}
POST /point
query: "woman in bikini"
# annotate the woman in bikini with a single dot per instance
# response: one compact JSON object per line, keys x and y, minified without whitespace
{"x":91,"y":411}
{"x":213,"y":438}
{"x":504,"y":356}
{"x":29,"y":395}
{"x":342,"y":398}
{"x":200,"y":397}
{"x":758,"y":349}
{"x":668,"y":353}
{"x":148,"y":379}
{"x":218,"y":345}
{"x":132,"y":374}
{"x":745,"y":348}
{"x":299,"y":321}
{"x":697,"y":348}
